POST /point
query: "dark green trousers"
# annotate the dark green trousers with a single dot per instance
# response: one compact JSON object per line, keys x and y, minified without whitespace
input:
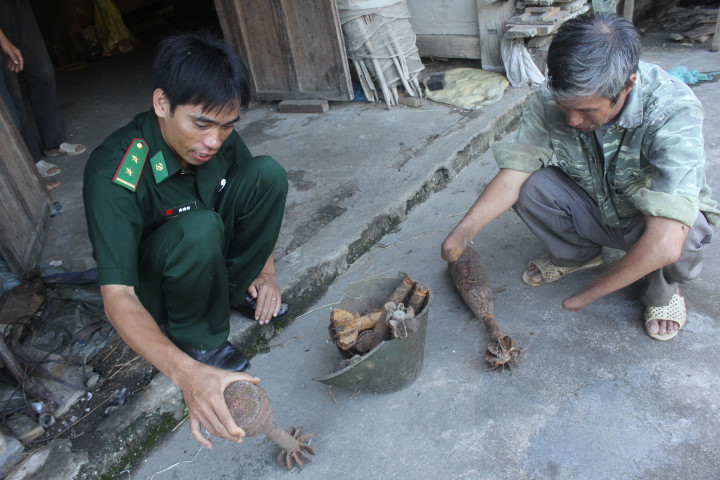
{"x":198,"y":264}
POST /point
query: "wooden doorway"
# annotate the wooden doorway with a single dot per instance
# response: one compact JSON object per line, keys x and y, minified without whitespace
{"x":294,"y":50}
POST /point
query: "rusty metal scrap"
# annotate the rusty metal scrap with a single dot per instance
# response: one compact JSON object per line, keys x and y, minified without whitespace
{"x":348,"y":325}
{"x":359,"y":334}
{"x":251,"y":409}
{"x":471,"y":280}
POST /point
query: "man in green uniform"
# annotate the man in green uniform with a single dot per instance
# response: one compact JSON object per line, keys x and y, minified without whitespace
{"x":183,"y":221}
{"x":609,"y":153}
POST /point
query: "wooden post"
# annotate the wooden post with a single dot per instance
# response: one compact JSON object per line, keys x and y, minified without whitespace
{"x":629,"y":10}
{"x":26,"y":204}
{"x":716,"y":36}
{"x":492,"y":16}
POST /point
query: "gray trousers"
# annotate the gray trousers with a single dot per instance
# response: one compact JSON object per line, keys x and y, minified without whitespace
{"x":566,"y":219}
{"x":5,"y":94}
{"x":18,"y":22}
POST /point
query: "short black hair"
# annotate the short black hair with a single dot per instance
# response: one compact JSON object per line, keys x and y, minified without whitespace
{"x":593,"y":54}
{"x":201,"y":69}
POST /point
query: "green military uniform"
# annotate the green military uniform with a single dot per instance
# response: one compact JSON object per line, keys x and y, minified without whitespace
{"x":190,"y":240}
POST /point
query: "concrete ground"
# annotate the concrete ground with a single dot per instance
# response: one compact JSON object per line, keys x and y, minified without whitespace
{"x":374,"y":192}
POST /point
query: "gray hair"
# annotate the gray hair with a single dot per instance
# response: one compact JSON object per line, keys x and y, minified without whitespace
{"x":593,"y":54}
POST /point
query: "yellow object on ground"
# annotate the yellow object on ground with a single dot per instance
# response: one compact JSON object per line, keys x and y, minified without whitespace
{"x":469,"y":88}
{"x":111,"y":29}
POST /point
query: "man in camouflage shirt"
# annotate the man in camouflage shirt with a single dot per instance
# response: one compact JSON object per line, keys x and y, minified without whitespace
{"x":609,"y":153}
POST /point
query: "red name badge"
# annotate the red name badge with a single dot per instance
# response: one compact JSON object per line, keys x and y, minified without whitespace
{"x":174,"y":212}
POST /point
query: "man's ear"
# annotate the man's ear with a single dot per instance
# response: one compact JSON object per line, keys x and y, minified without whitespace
{"x":161,"y":104}
{"x":630,"y":83}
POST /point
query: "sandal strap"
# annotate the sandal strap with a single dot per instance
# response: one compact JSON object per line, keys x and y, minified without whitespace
{"x":551,"y":272}
{"x":674,"y":311}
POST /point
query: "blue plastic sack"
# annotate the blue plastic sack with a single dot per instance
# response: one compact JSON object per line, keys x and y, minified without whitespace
{"x":691,"y":77}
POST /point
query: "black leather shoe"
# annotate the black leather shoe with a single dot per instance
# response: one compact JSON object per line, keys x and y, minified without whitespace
{"x":247,"y":309}
{"x":226,"y":357}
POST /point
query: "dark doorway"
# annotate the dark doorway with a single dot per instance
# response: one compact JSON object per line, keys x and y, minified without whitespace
{"x":73,"y":32}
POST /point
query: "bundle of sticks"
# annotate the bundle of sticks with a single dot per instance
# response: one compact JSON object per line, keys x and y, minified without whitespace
{"x":382,"y":55}
{"x":359,"y":333}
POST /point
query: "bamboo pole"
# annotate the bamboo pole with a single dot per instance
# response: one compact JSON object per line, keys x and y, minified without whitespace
{"x":394,"y":92}
{"x":368,"y":77}
{"x":369,"y":94}
{"x":381,"y":80}
{"x":417,"y":86}
{"x":401,"y":74}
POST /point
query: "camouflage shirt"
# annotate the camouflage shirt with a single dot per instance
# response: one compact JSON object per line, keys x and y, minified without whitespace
{"x":651,"y":160}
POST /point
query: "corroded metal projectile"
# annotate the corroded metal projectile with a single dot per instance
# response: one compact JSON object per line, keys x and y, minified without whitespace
{"x":252,"y":411}
{"x":471,"y":280}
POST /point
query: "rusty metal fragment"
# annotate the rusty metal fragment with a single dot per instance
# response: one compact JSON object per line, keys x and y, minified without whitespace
{"x":251,"y":409}
{"x":471,"y":280}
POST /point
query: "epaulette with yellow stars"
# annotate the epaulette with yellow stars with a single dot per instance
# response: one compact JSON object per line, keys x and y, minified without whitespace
{"x":130,"y":169}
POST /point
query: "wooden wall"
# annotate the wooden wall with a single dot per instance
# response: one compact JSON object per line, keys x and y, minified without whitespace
{"x":295,"y":50}
{"x":26,"y":205}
